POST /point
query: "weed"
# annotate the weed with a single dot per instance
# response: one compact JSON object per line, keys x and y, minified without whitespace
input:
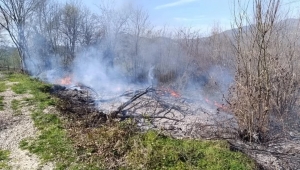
{"x":1,"y":103}
{"x":153,"y":150}
{"x":4,"y":158}
{"x":122,"y":146}
{"x":15,"y":105}
{"x":3,"y":87}
{"x":38,"y":89}
{"x":52,"y":144}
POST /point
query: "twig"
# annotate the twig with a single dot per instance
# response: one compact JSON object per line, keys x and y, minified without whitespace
{"x":147,"y":117}
{"x":135,"y":97}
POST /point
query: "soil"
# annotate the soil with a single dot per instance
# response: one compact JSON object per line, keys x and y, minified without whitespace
{"x":15,"y":127}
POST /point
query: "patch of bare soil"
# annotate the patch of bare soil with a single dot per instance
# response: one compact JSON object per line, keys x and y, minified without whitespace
{"x":14,"y":128}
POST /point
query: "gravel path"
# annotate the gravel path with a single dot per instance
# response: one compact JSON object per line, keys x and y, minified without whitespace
{"x":14,"y":128}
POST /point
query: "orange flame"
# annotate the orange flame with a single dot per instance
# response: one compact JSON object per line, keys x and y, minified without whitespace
{"x":65,"y":81}
{"x":174,"y":93}
{"x":215,"y":103}
{"x":167,"y":91}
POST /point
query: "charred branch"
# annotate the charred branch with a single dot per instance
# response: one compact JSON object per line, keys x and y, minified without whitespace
{"x":135,"y":97}
{"x":146,"y":117}
{"x":81,"y":104}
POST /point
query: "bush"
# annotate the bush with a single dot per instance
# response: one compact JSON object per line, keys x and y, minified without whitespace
{"x":266,"y":86}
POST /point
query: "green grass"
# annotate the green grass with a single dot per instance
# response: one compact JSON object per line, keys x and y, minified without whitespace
{"x":4,"y":158}
{"x":3,"y":87}
{"x":115,"y":145}
{"x":53,"y":143}
{"x":15,"y":105}
{"x":156,"y":151}
{"x":39,"y":90}
{"x":1,"y":103}
{"x":123,"y":147}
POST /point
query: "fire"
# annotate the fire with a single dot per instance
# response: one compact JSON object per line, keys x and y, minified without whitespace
{"x":215,"y":103}
{"x":168,"y":91}
{"x":65,"y":81}
{"x":174,"y":93}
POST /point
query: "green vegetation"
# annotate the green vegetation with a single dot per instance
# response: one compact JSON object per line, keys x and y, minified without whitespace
{"x":121,"y":146}
{"x":1,"y":103}
{"x":39,"y":90}
{"x":158,"y":151}
{"x":4,"y":158}
{"x":9,"y":59}
{"x":2,"y":86}
{"x":15,"y":105}
{"x":115,"y":145}
{"x":53,"y":143}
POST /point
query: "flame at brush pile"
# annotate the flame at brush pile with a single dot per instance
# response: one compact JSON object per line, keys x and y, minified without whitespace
{"x":174,"y":93}
{"x":169,"y":92}
{"x":66,"y":81}
{"x":216,"y":104}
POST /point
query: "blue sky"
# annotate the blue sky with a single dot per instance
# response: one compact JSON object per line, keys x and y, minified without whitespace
{"x":188,"y":13}
{"x":199,"y":14}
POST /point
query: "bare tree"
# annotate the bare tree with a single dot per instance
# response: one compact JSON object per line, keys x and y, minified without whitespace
{"x":71,"y":19}
{"x":91,"y":29}
{"x":48,"y":19}
{"x":139,"y":23}
{"x":217,"y":47}
{"x":189,"y":41}
{"x":15,"y":13}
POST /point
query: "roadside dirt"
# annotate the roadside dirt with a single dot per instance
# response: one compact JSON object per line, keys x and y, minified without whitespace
{"x":14,"y":128}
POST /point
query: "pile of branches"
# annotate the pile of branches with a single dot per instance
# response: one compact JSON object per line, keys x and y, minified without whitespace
{"x":81,"y":104}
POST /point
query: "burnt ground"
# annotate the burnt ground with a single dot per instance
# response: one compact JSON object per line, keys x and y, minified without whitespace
{"x":179,"y":117}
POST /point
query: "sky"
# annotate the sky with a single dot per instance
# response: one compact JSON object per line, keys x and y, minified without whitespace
{"x":198,"y":14}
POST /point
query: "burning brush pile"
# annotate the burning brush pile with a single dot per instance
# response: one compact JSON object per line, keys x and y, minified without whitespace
{"x":167,"y":110}
{"x":158,"y":108}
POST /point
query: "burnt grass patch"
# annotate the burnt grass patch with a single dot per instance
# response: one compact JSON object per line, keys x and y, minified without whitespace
{"x":78,"y":105}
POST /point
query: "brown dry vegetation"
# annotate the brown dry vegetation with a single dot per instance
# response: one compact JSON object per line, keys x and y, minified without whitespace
{"x":266,"y":87}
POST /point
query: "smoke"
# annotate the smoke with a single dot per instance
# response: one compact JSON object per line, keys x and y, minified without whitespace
{"x":222,"y":78}
{"x":121,"y":61}
{"x":91,"y":68}
{"x":114,"y":70}
{"x":151,"y":76}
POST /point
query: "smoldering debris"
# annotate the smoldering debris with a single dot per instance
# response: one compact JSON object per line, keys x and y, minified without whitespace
{"x":150,"y":107}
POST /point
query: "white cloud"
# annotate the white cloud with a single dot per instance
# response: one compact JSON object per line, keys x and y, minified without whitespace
{"x":177,"y":3}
